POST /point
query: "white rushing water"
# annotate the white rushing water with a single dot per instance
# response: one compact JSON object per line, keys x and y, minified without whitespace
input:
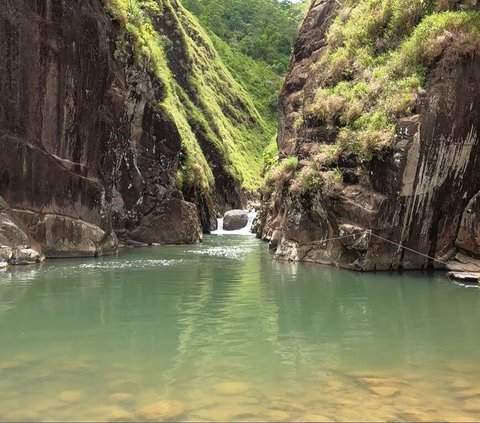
{"x":247,"y":230}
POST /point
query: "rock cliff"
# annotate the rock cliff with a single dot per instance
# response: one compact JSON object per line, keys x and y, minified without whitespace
{"x":117,"y":121}
{"x":379,"y":131}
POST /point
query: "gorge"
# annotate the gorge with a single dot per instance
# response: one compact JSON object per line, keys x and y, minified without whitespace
{"x":121,"y":125}
{"x":274,"y":287}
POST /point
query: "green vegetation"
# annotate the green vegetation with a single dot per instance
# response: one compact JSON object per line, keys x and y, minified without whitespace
{"x":310,"y":177}
{"x":261,"y":29}
{"x":254,"y":39}
{"x":378,"y":55}
{"x":279,"y":172}
{"x":270,"y":155}
{"x":200,"y":95}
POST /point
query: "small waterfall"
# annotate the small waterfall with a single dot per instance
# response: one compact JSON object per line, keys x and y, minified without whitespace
{"x":247,"y":230}
{"x":219,"y":225}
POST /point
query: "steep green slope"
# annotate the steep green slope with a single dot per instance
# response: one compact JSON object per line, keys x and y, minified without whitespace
{"x":221,"y":129}
{"x":254,"y":39}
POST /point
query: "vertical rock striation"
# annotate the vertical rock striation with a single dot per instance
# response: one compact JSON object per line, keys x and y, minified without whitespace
{"x":89,"y":154}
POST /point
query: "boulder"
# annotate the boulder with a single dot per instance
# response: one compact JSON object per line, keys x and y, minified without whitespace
{"x":62,"y":236}
{"x":235,"y":219}
{"x":174,"y":221}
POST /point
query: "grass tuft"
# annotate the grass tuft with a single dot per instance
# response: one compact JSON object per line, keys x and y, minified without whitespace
{"x":375,"y":66}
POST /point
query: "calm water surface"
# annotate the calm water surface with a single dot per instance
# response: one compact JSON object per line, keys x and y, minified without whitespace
{"x":220,"y":332}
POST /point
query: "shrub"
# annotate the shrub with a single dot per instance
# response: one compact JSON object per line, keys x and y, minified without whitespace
{"x":278,"y":174}
{"x":308,"y":178}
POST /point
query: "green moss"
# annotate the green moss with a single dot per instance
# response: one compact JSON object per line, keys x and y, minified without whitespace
{"x":378,"y":55}
{"x":206,"y":103}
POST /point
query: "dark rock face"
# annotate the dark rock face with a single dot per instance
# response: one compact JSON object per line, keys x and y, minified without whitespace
{"x":468,"y":239}
{"x":235,"y":219}
{"x":85,"y":152}
{"x":421,"y":193}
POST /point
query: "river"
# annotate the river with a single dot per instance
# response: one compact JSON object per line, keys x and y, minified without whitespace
{"x":218,"y":331}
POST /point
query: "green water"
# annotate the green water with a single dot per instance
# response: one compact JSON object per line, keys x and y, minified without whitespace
{"x":220,"y":332}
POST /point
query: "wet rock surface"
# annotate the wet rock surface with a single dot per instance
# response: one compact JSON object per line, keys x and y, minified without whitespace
{"x":235,"y":219}
{"x":421,"y":193}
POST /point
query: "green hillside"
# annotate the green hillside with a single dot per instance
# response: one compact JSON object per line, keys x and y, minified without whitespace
{"x":254,"y":39}
{"x":207,"y":104}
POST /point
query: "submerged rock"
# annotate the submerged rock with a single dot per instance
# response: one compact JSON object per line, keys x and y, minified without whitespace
{"x":161,"y":410}
{"x":121,"y":397}
{"x":384,"y":391}
{"x":113,"y":414}
{"x":315,"y":418}
{"x":71,"y":396}
{"x":281,"y":416}
{"x":231,"y":388}
{"x":460,"y":384}
{"x":383,"y":387}
{"x":235,"y":219}
{"x":472,"y":405}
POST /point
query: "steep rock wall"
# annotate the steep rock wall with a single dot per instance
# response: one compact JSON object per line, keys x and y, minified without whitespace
{"x":418,"y":191}
{"x":88,"y":153}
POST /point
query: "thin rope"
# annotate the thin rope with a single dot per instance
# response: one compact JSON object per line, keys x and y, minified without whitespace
{"x":369,"y":232}
{"x":386,"y":240}
{"x":409,"y":249}
{"x":323,"y":241}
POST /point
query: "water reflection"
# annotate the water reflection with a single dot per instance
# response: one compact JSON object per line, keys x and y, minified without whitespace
{"x":229,"y":334}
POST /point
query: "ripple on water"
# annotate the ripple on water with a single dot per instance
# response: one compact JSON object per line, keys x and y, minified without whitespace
{"x":231,"y":252}
{"x":130,"y":264}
